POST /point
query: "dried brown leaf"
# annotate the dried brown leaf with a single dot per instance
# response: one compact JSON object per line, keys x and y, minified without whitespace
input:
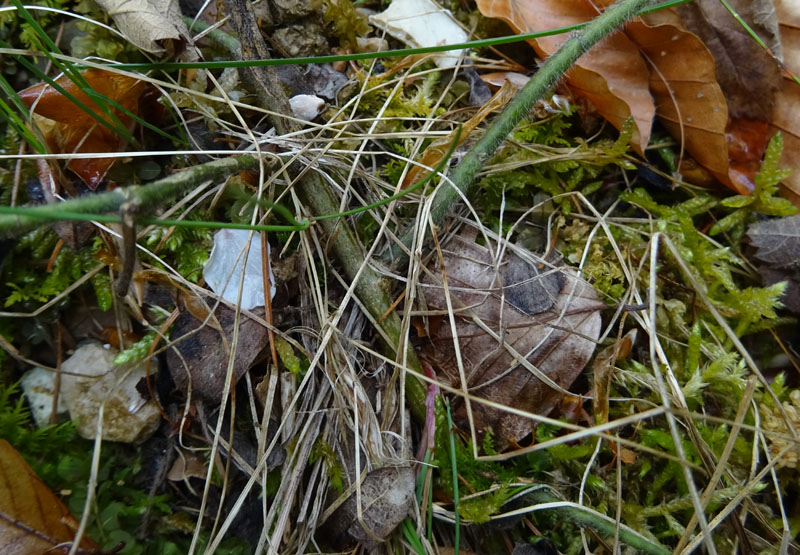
{"x":32,"y":518}
{"x":206,"y":351}
{"x":613,"y":76}
{"x":689,"y":102}
{"x":659,"y":67}
{"x":147,"y":23}
{"x":603,"y":367}
{"x":777,"y":244}
{"x":746,"y":72}
{"x":547,"y":316}
{"x":777,"y":241}
{"x":786,"y":115}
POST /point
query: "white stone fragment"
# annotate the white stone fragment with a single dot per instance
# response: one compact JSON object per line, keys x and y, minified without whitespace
{"x":94,"y":380}
{"x":306,"y":106}
{"x":38,"y":386}
{"x":421,"y":23}
{"x":225,"y":266}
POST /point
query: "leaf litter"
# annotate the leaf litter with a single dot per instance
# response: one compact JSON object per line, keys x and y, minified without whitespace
{"x":622,"y":255}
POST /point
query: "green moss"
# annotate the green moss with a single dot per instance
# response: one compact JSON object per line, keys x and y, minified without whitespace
{"x":186,"y":249}
{"x":347,"y":23}
{"x":136,"y":352}
{"x":27,"y":282}
{"x":323,"y":451}
{"x":763,"y":200}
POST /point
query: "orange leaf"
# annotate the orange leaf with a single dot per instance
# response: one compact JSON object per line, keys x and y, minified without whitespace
{"x":75,"y":131}
{"x":627,"y":456}
{"x":689,"y":101}
{"x":32,"y":518}
{"x":655,"y":67}
{"x":612,"y":75}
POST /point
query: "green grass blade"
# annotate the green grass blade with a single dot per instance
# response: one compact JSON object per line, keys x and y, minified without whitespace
{"x":457,"y":539}
{"x":11,"y":116}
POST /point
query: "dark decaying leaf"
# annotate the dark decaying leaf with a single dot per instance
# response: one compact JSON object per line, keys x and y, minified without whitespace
{"x":205,"y":353}
{"x":777,"y":244}
{"x":747,"y":74}
{"x":32,"y":518}
{"x":386,"y":497}
{"x":785,"y":115}
{"x":545,"y":316}
{"x":777,"y":241}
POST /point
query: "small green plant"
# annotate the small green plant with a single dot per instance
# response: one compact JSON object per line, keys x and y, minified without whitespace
{"x":347,"y":23}
{"x":29,"y":283}
{"x":185,"y":248}
{"x":763,"y":200}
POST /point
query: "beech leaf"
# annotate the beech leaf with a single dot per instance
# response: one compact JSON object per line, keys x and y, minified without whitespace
{"x":613,"y":76}
{"x":547,"y":318}
{"x":32,"y":518}
{"x":785,"y":114}
{"x":657,"y":66}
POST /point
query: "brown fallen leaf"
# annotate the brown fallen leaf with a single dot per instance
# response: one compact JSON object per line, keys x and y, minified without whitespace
{"x":546,"y":317}
{"x":777,"y":241}
{"x":786,"y":115}
{"x":68,"y":129}
{"x":744,"y":70}
{"x":32,"y":518}
{"x":614,"y":78}
{"x":627,"y":456}
{"x":748,"y":77}
{"x":386,"y":497}
{"x":202,"y":358}
{"x":689,"y":102}
{"x":657,"y":66}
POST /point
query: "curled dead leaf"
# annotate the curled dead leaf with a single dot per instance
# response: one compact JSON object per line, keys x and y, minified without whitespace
{"x":523,"y":329}
{"x":69,"y":129}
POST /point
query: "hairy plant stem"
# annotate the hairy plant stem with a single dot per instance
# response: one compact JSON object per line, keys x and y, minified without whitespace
{"x":148,"y":196}
{"x":462,"y":180}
